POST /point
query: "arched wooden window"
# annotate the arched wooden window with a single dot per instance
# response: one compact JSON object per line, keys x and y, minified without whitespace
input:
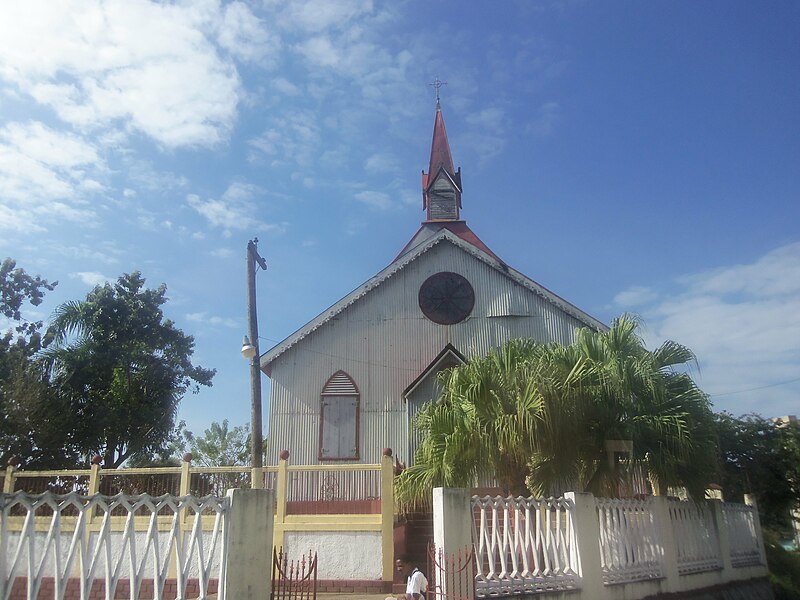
{"x":338,"y":419}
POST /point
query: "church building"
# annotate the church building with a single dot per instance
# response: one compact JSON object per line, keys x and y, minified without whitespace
{"x":349,"y":382}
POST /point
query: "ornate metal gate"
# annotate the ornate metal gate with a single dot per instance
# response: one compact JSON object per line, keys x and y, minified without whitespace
{"x":450,"y":576}
{"x":293,"y":579}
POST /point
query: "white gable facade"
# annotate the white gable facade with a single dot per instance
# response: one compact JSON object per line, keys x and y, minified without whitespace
{"x":379,"y":337}
{"x":348,"y":383}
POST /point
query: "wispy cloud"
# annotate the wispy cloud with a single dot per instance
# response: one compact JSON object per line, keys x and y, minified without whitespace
{"x":636,"y":295}
{"x":743,"y":322}
{"x":204,"y":318}
{"x":382,"y":162}
{"x":236,"y":209}
{"x":318,"y":15}
{"x":91,"y":278}
{"x":222,"y":253}
{"x":45,"y":175}
{"x":545,"y":119}
{"x":293,"y":139}
{"x":377,"y":200}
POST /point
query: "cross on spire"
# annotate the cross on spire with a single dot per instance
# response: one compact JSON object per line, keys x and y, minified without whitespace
{"x":437,"y":84}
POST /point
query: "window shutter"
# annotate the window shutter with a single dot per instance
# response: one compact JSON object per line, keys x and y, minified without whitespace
{"x":339,"y":419}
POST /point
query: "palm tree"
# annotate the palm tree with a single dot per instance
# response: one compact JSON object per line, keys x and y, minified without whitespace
{"x":538,"y":417}
{"x":482,"y":425}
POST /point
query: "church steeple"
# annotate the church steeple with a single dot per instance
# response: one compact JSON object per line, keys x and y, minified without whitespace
{"x":441,"y":185}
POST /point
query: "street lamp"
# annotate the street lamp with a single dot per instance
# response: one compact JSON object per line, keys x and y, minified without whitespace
{"x":250,"y":352}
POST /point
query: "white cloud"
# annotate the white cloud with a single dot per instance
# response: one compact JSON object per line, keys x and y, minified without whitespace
{"x":44,"y":176}
{"x":236,"y":209}
{"x":244,"y":35}
{"x":205,"y":319}
{"x":318,"y":15}
{"x":291,"y":140}
{"x":285,"y":86}
{"x":378,"y":200}
{"x":636,"y":295}
{"x":743,"y":322}
{"x":91,"y":278}
{"x":382,"y":163}
{"x":103,"y":252}
{"x":492,"y":118}
{"x":222,"y":253}
{"x":145,"y":66}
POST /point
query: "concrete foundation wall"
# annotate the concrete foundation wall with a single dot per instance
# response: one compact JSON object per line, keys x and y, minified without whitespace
{"x":340,"y":554}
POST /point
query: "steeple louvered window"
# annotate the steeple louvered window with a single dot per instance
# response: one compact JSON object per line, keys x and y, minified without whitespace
{"x":339,"y":419}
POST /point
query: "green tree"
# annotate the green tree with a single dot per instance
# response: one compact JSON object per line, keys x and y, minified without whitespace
{"x":761,"y":457}
{"x":34,"y":427}
{"x":124,"y":368}
{"x":220,"y":446}
{"x":537,"y":418}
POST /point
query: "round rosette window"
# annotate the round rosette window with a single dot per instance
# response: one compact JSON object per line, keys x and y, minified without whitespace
{"x":446,"y":298}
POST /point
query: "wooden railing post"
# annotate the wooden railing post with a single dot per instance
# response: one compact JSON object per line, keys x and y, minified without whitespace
{"x":281,"y":494}
{"x":8,"y":481}
{"x":387,"y":515}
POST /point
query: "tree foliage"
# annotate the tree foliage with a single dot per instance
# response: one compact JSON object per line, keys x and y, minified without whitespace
{"x":537,"y":418}
{"x":34,"y":427}
{"x":123,"y":367}
{"x":220,"y":445}
{"x":761,"y":457}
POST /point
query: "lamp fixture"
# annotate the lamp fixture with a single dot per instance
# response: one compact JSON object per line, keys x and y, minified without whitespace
{"x":248,"y":349}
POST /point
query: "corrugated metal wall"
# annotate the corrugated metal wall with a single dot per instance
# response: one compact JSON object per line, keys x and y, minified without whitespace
{"x":384,"y":342}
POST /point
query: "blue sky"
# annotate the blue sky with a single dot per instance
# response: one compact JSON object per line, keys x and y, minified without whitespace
{"x":630,"y":156}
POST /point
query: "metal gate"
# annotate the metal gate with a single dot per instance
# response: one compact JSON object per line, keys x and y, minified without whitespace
{"x":293,"y":579}
{"x":450,"y":576}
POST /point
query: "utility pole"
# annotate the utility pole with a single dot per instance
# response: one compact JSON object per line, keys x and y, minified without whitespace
{"x":250,"y":350}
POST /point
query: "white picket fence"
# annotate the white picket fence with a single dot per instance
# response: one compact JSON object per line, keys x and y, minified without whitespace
{"x":629,"y":544}
{"x":528,"y":545}
{"x":142,"y":540}
{"x":741,"y":523}
{"x":695,"y":534}
{"x":523,"y":545}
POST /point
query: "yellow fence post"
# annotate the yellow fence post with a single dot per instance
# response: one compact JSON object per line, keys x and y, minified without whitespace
{"x":185,"y":486}
{"x":8,"y":481}
{"x":387,"y":514}
{"x":94,"y":486}
{"x":283,"y":486}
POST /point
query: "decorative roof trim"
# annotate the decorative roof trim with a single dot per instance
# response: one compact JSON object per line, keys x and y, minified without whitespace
{"x":442,"y":235}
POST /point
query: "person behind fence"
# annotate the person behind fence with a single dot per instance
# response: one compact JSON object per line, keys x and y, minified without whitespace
{"x":416,"y":582}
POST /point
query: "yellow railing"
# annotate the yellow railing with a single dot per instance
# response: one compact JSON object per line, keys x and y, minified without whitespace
{"x":341,"y":497}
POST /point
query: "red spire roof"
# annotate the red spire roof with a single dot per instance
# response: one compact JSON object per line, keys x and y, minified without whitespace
{"x":440,"y":147}
{"x":441,"y":159}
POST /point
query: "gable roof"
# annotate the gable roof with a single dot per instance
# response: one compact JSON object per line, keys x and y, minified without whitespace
{"x":443,"y":235}
{"x":460,"y":228}
{"x":449,"y":351}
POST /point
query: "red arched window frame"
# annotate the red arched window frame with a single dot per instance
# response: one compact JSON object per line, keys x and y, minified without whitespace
{"x":339,"y":419}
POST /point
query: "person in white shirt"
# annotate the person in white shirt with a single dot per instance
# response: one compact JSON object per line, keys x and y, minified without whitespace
{"x":416,"y":582}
